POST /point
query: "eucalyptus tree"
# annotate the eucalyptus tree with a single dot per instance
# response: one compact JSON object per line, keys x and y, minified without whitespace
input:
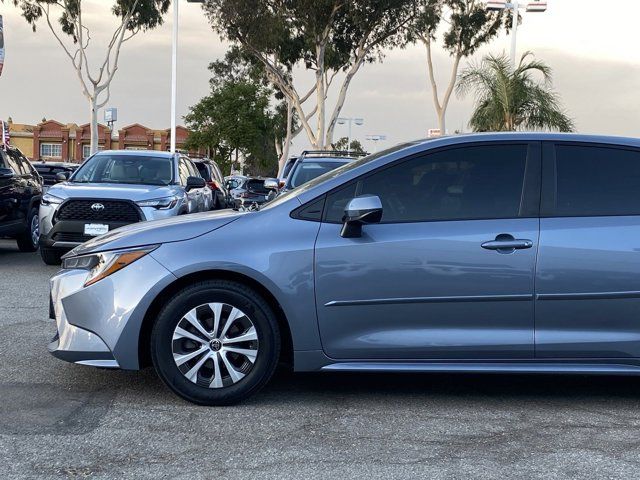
{"x":64,"y":19}
{"x":331,"y":38}
{"x":511,"y":100}
{"x":462,"y":26}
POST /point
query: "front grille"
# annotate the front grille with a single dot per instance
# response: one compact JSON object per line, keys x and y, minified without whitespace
{"x":113,"y":211}
{"x":71,"y":237}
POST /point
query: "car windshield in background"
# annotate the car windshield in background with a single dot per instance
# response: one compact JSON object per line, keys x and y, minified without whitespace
{"x":307,"y":171}
{"x":126,"y":169}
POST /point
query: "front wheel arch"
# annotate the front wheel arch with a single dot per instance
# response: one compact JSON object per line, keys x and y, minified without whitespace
{"x":144,"y":338}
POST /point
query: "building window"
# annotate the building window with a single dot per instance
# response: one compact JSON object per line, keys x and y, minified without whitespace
{"x":86,"y":150}
{"x":51,"y":150}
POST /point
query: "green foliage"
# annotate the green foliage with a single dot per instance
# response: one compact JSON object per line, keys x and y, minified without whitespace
{"x":343,"y":145}
{"x":324,"y":36}
{"x":290,"y":29}
{"x":510,"y":100}
{"x":146,"y":15}
{"x":469,"y":24}
{"x":236,"y":119}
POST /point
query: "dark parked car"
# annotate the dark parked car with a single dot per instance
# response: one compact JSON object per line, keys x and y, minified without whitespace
{"x":210,"y":171}
{"x":20,"y":194}
{"x":312,"y":164}
{"x":50,"y":172}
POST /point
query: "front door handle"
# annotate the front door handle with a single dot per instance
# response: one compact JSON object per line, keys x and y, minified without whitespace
{"x":507,"y":244}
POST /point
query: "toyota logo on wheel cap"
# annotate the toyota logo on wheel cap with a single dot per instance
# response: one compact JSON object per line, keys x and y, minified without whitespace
{"x":97,"y":207}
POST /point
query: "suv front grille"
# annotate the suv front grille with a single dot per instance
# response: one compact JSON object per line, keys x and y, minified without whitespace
{"x":112,"y":211}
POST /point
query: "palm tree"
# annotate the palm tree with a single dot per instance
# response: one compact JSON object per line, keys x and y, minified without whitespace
{"x":511,"y":100}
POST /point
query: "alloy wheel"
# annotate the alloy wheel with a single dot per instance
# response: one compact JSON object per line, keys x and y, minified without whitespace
{"x":215,"y":345}
{"x":35,"y":230}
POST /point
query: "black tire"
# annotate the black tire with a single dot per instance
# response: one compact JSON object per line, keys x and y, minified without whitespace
{"x":26,"y":241}
{"x":51,"y":256}
{"x":233,"y":294}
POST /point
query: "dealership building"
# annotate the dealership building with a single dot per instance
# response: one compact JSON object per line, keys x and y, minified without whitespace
{"x":51,"y":140}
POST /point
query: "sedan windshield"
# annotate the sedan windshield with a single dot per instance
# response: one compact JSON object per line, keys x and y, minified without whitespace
{"x":307,"y":171}
{"x":126,"y":169}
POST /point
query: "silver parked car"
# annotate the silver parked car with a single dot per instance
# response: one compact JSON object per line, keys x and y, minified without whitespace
{"x":479,"y":253}
{"x":116,"y":188}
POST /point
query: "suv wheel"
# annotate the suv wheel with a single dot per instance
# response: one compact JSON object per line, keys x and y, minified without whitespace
{"x":28,"y":241}
{"x":215,"y":343}
{"x":51,"y":256}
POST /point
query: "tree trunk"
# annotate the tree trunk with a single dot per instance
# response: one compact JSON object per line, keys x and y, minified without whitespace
{"x":286,"y":146}
{"x":93,"y":105}
{"x":442,"y":121}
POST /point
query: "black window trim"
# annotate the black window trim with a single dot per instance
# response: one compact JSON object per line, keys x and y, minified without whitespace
{"x":550,"y":177}
{"x":531,"y":191}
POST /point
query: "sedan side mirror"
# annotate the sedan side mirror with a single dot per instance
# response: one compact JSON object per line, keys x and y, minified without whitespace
{"x":6,"y":173}
{"x":62,"y":177}
{"x":195,"y":182}
{"x":360,"y":211}
{"x":271,"y":184}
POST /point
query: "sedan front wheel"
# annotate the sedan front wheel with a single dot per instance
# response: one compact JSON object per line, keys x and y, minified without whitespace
{"x":216,"y":343}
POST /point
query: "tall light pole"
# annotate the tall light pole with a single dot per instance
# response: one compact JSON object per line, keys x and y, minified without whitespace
{"x":174,"y":70}
{"x":537,"y":6}
{"x":350,"y":121}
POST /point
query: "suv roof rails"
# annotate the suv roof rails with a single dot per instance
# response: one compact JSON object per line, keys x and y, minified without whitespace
{"x":333,"y":153}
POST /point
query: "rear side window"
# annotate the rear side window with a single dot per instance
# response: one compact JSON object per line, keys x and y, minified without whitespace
{"x":468,"y":183}
{"x":596,"y":181}
{"x":204,"y":172}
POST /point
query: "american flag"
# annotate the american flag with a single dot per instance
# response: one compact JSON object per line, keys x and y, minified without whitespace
{"x":5,"y":134}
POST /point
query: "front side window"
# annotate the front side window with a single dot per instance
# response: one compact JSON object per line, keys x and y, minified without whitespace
{"x":183,"y":170}
{"x":51,"y":150}
{"x":126,"y":169}
{"x":467,"y":183}
{"x":596,"y":181}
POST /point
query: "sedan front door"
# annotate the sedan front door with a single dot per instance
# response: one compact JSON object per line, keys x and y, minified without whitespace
{"x":439,"y":277}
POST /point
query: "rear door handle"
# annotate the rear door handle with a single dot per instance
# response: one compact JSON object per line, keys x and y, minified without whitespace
{"x":505,"y":243}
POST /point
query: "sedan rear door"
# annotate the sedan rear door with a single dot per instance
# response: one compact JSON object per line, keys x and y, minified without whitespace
{"x":588,"y":272}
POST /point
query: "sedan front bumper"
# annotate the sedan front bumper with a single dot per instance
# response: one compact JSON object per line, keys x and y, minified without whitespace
{"x":99,"y":325}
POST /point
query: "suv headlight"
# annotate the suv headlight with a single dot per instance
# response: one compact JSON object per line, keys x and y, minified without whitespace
{"x":48,"y":199}
{"x":166,"y":203}
{"x":101,"y":265}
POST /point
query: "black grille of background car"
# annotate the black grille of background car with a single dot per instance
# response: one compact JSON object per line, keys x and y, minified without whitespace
{"x":71,"y":237}
{"x":113,"y":211}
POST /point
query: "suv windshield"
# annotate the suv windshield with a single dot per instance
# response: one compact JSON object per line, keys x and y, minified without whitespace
{"x":306,"y":171}
{"x":128,"y":169}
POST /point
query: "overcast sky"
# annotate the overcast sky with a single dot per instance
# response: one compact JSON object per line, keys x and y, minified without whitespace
{"x":594,"y":52}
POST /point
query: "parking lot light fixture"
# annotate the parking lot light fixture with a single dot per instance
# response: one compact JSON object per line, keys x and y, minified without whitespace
{"x":537,"y":6}
{"x":350,"y":120}
{"x":376,"y":139}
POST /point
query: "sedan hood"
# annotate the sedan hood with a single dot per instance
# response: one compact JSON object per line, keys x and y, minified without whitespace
{"x":109,"y":191}
{"x":174,"y":229}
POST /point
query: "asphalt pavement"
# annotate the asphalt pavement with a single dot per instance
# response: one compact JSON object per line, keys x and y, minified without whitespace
{"x":59,"y":420}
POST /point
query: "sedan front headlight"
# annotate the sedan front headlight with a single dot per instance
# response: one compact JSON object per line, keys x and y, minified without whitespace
{"x":101,"y":265}
{"x":166,"y":203}
{"x":48,"y":199}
